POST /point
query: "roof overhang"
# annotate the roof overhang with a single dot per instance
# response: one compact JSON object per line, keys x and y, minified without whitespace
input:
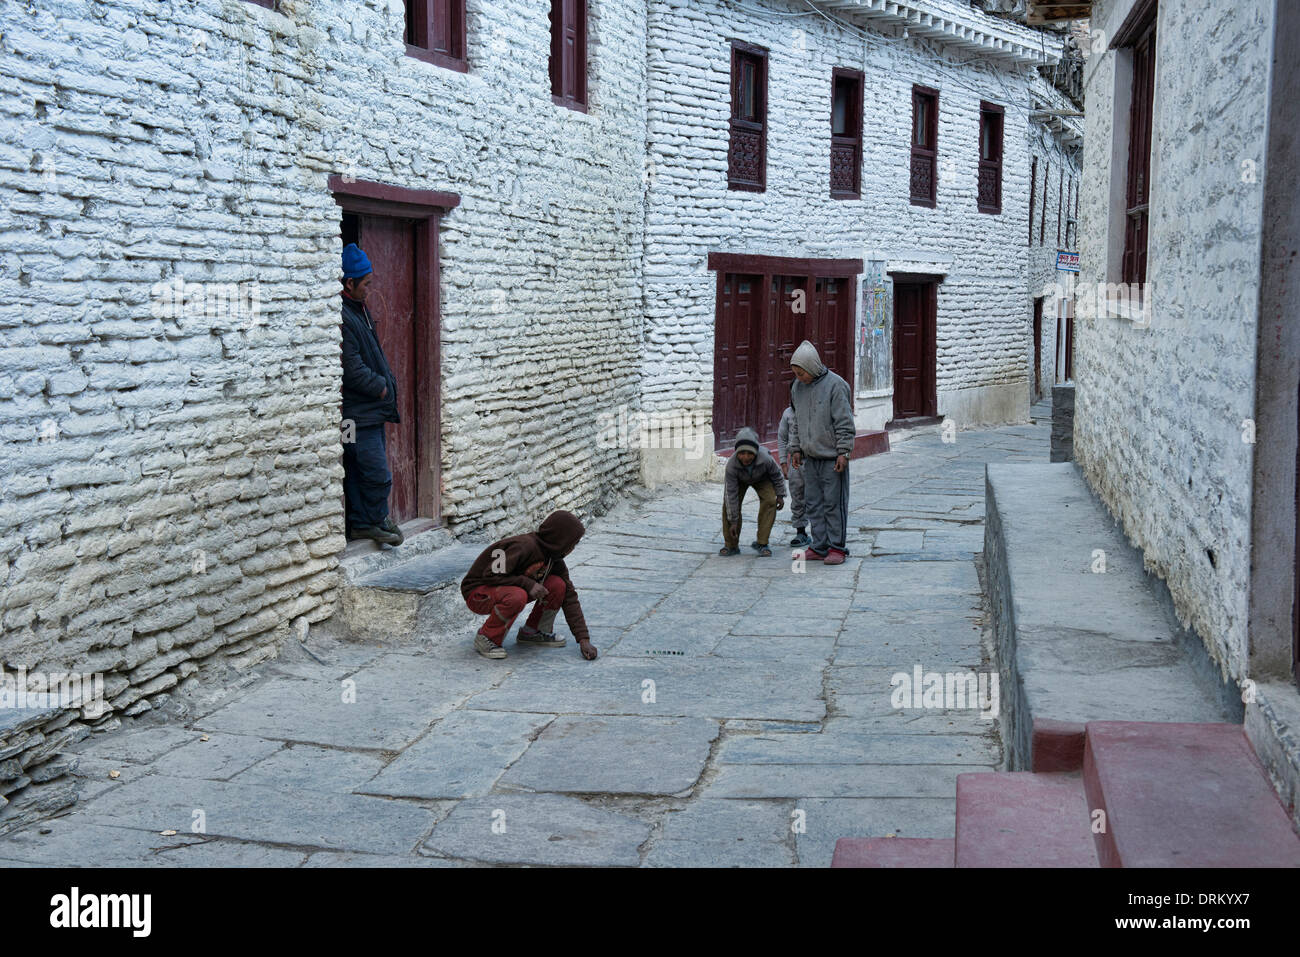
{"x":963,"y":28}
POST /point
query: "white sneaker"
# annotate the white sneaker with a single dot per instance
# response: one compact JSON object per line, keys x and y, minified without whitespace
{"x":485,"y":647}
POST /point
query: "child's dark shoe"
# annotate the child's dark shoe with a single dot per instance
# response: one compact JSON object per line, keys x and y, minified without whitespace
{"x":724,"y":550}
{"x":763,"y":550}
{"x":543,"y":639}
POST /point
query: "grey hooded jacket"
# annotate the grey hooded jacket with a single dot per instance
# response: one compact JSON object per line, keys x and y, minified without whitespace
{"x":822,"y":426}
{"x":764,"y":469}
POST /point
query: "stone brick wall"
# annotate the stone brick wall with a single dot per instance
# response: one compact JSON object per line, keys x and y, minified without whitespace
{"x":1160,"y":410}
{"x":984,"y":335}
{"x":170,"y":485}
{"x":1044,"y":278}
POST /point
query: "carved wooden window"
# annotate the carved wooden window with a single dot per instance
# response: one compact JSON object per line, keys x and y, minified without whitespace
{"x":846,"y":134}
{"x":925,"y":146}
{"x":1033,"y":191}
{"x":989,"y":197}
{"x":568,"y":62}
{"x":435,"y":32}
{"x":747,"y":153}
{"x":1138,"y":33}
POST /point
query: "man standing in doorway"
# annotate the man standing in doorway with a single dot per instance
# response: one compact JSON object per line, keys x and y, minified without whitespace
{"x":821,"y":440}
{"x":369,"y":400}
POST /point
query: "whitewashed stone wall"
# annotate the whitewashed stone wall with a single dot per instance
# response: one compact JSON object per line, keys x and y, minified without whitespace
{"x":1160,"y":410}
{"x":984,"y":338}
{"x":1044,"y":279}
{"x":170,"y":486}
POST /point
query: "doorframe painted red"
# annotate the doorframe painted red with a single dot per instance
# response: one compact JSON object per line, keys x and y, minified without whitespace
{"x":425,"y":207}
{"x":932,"y":282}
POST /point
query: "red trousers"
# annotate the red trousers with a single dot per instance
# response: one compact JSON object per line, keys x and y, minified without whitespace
{"x":502,"y":604}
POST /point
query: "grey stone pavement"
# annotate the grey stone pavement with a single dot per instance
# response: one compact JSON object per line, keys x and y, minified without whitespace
{"x":739,"y":714}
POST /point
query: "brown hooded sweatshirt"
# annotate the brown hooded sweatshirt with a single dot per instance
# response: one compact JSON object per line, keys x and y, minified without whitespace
{"x":527,"y":559}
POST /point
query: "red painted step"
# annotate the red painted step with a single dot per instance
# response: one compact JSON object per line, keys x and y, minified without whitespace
{"x":893,"y":852}
{"x":1022,"y":819}
{"x":1183,"y":795}
{"x":1057,"y":745}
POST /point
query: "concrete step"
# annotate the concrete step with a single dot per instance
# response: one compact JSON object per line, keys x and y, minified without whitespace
{"x":415,"y":602}
{"x":1023,"y":819}
{"x":1183,"y":795}
{"x":893,"y":852}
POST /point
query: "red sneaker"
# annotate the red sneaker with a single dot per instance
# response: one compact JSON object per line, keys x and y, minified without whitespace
{"x":833,"y":557}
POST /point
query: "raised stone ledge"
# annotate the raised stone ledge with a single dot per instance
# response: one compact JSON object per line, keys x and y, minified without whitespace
{"x":1074,"y":643}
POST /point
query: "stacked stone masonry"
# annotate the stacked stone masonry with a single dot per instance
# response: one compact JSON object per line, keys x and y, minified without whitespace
{"x":170,"y":481}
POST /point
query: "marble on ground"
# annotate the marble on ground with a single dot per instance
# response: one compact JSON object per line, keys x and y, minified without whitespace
{"x":742,"y":711}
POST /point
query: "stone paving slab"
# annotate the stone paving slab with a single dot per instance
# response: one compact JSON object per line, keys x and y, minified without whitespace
{"x":791,"y":626}
{"x":352,"y":860}
{"x":308,"y":768}
{"x":682,"y":688}
{"x":856,"y":747}
{"x":252,"y":812}
{"x":838,"y":780}
{"x":74,"y":841}
{"x":827,"y":820}
{"x":674,"y":634}
{"x":221,"y":757}
{"x":137,"y":747}
{"x":463,"y":756}
{"x":805,"y":651}
{"x":396,"y":699}
{"x":731,"y":833}
{"x":615,"y":755}
{"x":540,"y":830}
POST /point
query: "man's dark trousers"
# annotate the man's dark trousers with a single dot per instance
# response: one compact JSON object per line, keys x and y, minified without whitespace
{"x":366,"y":479}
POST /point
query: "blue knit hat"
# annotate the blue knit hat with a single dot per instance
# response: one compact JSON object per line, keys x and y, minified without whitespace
{"x":355,"y":263}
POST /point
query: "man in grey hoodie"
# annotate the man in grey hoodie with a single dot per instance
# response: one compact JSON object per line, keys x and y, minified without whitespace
{"x":750,"y":466}
{"x":821,"y":440}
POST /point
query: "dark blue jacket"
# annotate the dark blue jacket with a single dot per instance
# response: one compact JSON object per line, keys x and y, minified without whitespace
{"x":365,"y":370}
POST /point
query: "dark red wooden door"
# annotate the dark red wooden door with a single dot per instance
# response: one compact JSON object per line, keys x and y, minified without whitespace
{"x":736,"y":354}
{"x":910,"y":346}
{"x":1038,"y":347}
{"x":390,"y":244}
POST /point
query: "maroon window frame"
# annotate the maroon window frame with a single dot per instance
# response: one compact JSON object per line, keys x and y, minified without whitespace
{"x":1033,"y":191}
{"x":846,"y":133}
{"x":747,"y":148}
{"x":1042,"y":223}
{"x":568,"y":63}
{"x":435,"y":33}
{"x":989,"y":193}
{"x":925,"y":146}
{"x":1139,"y":34}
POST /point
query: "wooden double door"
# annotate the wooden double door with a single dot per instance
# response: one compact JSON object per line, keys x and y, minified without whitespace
{"x":761,"y":319}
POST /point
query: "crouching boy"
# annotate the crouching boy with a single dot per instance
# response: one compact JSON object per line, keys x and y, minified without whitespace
{"x":521,"y":569}
{"x":751,"y":466}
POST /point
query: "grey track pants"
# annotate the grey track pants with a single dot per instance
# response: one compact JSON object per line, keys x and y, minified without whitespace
{"x":826,"y":499}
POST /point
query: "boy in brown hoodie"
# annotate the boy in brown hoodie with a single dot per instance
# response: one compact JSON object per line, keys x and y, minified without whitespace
{"x":523,"y":568}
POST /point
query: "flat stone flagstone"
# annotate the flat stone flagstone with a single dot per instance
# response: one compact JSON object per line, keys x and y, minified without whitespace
{"x":539,"y":830}
{"x":740,"y":712}
{"x":615,"y":755}
{"x":267,"y":815}
{"x":463,"y":756}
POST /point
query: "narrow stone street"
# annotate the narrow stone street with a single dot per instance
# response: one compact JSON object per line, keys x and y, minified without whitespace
{"x":740,"y":712}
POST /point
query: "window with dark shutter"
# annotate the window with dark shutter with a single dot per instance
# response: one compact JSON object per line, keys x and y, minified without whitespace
{"x":1033,"y":190}
{"x":846,"y":134}
{"x":747,"y":151}
{"x":435,"y":32}
{"x":1139,"y":34}
{"x":989,"y":198}
{"x":925,"y":145}
{"x":1042,"y":223}
{"x":569,"y":53}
